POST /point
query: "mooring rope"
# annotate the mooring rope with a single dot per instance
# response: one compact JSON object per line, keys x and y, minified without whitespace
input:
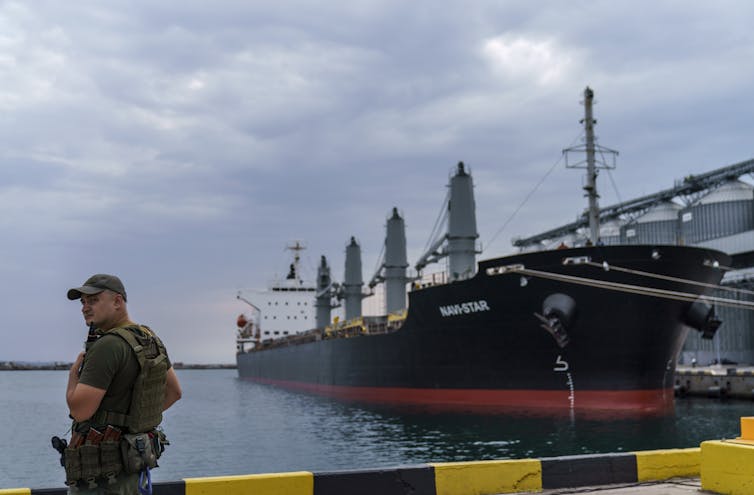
{"x":629,"y":288}
{"x":667,"y":277}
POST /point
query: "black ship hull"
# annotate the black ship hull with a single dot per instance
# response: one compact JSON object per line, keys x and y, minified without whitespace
{"x":480,"y":342}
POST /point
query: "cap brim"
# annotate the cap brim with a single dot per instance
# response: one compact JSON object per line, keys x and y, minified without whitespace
{"x":74,"y":294}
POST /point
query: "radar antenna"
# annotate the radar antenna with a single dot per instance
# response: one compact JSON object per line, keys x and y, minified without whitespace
{"x":296,"y":247}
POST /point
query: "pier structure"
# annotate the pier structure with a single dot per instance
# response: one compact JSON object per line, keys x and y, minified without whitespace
{"x":718,"y":381}
{"x":721,"y":467}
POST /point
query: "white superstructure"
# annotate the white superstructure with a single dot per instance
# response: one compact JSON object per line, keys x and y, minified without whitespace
{"x":286,"y":307}
{"x":284,"y":310}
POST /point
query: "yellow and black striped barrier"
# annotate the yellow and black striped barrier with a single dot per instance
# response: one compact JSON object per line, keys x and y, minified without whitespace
{"x":447,"y":478}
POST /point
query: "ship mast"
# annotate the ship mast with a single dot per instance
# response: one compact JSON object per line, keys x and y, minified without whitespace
{"x":591,"y":164}
{"x":591,"y":170}
{"x":294,"y":273}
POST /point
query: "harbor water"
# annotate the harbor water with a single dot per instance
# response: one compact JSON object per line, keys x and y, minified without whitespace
{"x":225,"y":426}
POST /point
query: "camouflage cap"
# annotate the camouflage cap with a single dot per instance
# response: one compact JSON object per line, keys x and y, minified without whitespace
{"x":96,"y":284}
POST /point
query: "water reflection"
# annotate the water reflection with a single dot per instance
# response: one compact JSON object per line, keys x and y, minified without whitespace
{"x":261,"y":429}
{"x":404,"y":435}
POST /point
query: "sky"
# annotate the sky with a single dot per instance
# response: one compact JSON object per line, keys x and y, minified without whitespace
{"x":183,"y":145}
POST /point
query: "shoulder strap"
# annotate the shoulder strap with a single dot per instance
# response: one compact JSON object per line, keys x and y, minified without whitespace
{"x":129,"y":334}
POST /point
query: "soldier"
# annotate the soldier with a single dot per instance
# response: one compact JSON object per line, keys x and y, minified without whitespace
{"x":117,"y":391}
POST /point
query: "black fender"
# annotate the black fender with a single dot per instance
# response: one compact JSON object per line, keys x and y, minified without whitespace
{"x":701,"y":317}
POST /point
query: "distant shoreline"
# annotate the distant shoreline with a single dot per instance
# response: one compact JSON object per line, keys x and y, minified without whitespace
{"x":24,"y":366}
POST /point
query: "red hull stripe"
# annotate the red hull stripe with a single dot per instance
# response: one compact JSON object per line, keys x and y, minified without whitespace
{"x":608,"y":400}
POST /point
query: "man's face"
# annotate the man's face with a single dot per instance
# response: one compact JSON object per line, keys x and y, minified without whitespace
{"x":99,"y":309}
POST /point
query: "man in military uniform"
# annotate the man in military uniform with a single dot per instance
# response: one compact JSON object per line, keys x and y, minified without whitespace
{"x":105,"y":379}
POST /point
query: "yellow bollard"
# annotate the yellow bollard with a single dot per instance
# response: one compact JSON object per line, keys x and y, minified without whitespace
{"x":726,"y":466}
{"x":747,"y":428}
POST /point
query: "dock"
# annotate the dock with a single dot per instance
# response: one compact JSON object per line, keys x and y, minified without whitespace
{"x":663,"y":471}
{"x":676,"y":486}
{"x":716,"y":381}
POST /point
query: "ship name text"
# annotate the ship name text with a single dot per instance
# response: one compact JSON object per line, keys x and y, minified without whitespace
{"x":464,"y":308}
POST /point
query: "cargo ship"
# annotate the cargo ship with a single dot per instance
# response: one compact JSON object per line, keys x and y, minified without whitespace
{"x":589,"y":328}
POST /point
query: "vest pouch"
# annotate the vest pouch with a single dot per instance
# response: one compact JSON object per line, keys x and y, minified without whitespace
{"x":110,"y":459}
{"x":138,"y":452}
{"x":159,"y":440}
{"x":72,"y":461}
{"x":90,"y":465}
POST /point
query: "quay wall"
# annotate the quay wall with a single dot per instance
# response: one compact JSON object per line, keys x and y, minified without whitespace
{"x":719,"y":381}
{"x":448,"y":478}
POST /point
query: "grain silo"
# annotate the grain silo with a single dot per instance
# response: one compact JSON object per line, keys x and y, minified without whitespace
{"x":659,"y":225}
{"x":723,"y":219}
{"x":727,"y":210}
{"x":610,"y":232}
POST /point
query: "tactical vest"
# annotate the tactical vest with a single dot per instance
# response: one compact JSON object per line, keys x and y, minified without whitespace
{"x":140,"y":445}
{"x":148,"y":393}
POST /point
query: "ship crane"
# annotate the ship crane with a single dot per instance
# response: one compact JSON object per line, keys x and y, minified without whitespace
{"x":460,"y":239}
{"x":392,"y":267}
{"x":351,"y":290}
{"x":326,"y":295}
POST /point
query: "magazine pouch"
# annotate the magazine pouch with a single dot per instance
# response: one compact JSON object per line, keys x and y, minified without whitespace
{"x":138,"y":452}
{"x":72,"y":466}
{"x":90,"y":466}
{"x":110,"y":460}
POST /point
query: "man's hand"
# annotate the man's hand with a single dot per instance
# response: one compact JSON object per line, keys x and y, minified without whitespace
{"x":76,"y":366}
{"x":83,"y":400}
